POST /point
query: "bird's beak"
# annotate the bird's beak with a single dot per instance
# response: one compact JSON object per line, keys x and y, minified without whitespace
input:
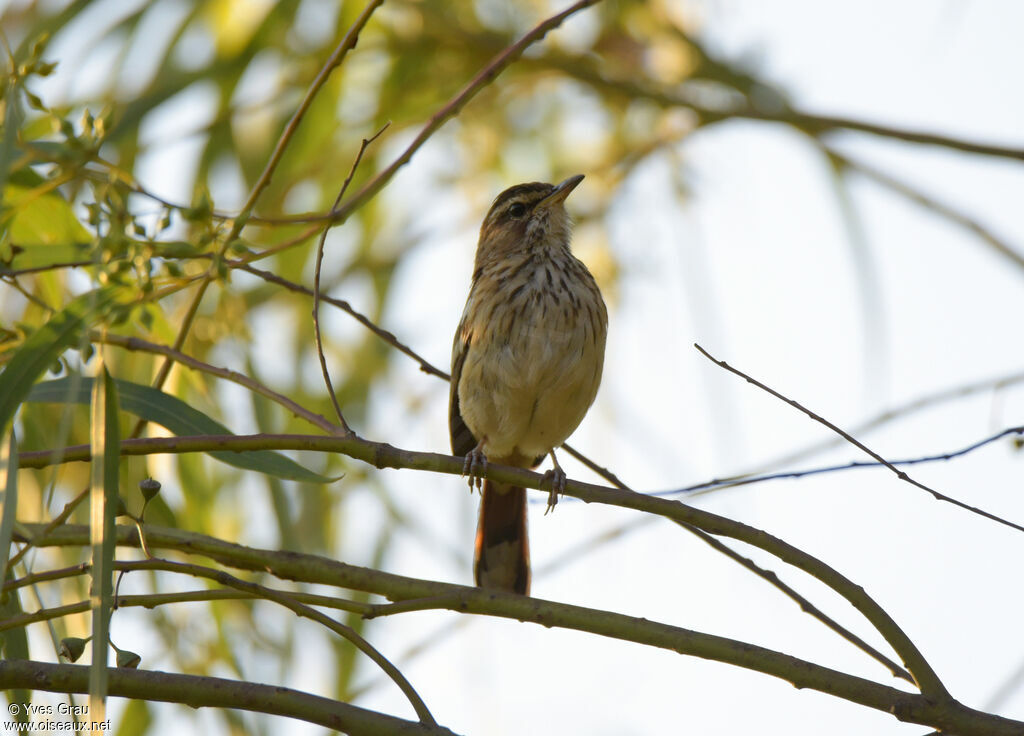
{"x":559,"y":193}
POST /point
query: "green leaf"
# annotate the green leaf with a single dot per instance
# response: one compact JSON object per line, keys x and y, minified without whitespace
{"x":45,"y":345}
{"x":9,"y":480}
{"x":12,"y":124}
{"x":14,"y":646}
{"x":179,"y":418}
{"x":41,"y":230}
{"x":136,"y":719}
{"x":14,"y":642}
{"x":103,"y":497}
{"x":42,"y":219}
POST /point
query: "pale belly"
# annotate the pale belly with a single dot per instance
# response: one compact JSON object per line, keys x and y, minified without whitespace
{"x":526,"y":387}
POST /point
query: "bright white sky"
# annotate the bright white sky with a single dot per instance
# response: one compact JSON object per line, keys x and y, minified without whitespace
{"x":757,"y":265}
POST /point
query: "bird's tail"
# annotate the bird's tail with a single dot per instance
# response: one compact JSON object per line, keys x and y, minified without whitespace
{"x":501,"y":557}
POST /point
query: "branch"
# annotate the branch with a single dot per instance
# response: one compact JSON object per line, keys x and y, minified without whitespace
{"x":383,"y":455}
{"x":211,"y":692}
{"x":853,"y":441}
{"x":300,"y":609}
{"x":805,"y":605}
{"x":935,"y":711}
{"x":813,"y":125}
{"x":882,"y":418}
{"x":316,"y":283}
{"x":743,"y":480}
{"x":135,"y":343}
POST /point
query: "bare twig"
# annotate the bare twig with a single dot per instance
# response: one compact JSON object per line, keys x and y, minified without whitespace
{"x":743,"y":480}
{"x":889,"y":415}
{"x":300,"y":609}
{"x":856,"y":443}
{"x":135,"y":343}
{"x":343,"y":305}
{"x":774,"y":580}
{"x":212,"y":692}
{"x":316,"y":281}
{"x":805,"y":605}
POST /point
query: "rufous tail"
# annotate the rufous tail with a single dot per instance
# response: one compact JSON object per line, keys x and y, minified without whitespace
{"x":501,"y":557}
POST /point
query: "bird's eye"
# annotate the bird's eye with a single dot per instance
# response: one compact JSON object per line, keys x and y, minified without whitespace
{"x":517,"y":210}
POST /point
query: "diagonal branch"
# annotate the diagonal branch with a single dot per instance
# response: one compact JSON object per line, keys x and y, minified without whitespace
{"x":135,"y":343}
{"x":212,"y":692}
{"x":937,"y":710}
{"x":300,"y":609}
{"x":902,"y":475}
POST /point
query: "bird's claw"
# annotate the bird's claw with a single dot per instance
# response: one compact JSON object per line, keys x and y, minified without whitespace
{"x":557,"y":478}
{"x":474,"y":468}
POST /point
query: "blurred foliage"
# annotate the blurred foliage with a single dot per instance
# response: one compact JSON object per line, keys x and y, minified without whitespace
{"x":95,"y":89}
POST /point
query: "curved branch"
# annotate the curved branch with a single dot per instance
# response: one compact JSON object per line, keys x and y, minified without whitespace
{"x":212,"y":692}
{"x":300,"y":609}
{"x":902,"y":475}
{"x":383,"y":455}
{"x":943,"y":713}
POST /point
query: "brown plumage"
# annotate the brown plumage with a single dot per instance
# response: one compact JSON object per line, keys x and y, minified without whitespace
{"x":526,"y":363}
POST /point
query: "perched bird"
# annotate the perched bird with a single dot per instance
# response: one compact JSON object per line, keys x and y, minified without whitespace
{"x":526,"y":364}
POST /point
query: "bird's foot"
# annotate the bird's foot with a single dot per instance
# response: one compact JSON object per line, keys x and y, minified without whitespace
{"x":474,"y":467}
{"x":557,"y":477}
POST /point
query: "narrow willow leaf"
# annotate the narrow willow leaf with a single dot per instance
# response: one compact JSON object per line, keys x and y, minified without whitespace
{"x":14,"y":645}
{"x":14,"y":642}
{"x":12,"y":123}
{"x":39,"y":352}
{"x":9,"y":481}
{"x":179,"y":418}
{"x":103,"y":496}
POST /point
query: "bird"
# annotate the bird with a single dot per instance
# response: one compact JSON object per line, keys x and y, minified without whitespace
{"x":526,"y":365}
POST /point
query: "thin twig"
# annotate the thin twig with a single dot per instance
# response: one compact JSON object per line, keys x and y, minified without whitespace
{"x":135,"y":343}
{"x":805,"y":605}
{"x":343,"y":305}
{"x":774,"y":580}
{"x":856,"y":443}
{"x":891,"y":414}
{"x":212,"y":692}
{"x":743,"y":480}
{"x":316,"y":281}
{"x":300,"y":609}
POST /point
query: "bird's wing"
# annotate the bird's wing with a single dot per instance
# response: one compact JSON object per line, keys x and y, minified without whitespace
{"x":462,"y":439}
